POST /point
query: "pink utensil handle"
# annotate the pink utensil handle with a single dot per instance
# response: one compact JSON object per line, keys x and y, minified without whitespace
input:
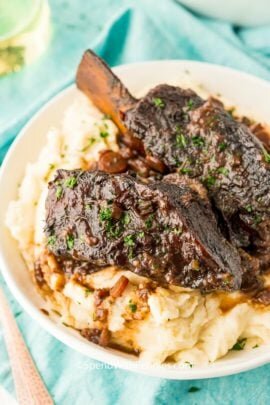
{"x":30,"y":389}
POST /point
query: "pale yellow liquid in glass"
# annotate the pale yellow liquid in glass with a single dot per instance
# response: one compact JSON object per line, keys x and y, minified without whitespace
{"x":24,"y":32}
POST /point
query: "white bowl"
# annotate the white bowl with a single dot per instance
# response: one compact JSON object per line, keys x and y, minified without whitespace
{"x":252,"y":95}
{"x":240,"y":12}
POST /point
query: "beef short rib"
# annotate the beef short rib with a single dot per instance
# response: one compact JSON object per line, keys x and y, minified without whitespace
{"x":166,"y":232}
{"x":178,"y":131}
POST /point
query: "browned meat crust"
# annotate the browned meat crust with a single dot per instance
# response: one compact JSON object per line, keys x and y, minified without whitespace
{"x":163,"y":231}
{"x":174,"y":130}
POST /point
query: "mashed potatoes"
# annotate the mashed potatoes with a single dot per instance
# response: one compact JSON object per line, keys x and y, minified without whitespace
{"x":175,"y":324}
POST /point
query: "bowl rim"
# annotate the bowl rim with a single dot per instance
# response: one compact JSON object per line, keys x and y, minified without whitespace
{"x":114,"y":358}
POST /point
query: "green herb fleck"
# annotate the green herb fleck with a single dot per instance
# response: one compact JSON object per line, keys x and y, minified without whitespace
{"x":103,"y":134}
{"x":190,"y":364}
{"x":59,"y":192}
{"x":129,"y":240}
{"x":132,"y":306}
{"x":51,"y":240}
{"x":113,"y":231}
{"x":88,"y":207}
{"x":51,"y":166}
{"x":126,"y":218}
{"x":185,"y":170}
{"x":222,"y":146}
{"x":239,"y":345}
{"x":266,"y":156}
{"x":198,"y":141}
{"x":249,"y":208}
{"x":107,"y":117}
{"x":194,"y":389}
{"x":158,"y":102}
{"x":130,"y":253}
{"x":223,"y":170}
{"x":181,"y":141}
{"x":70,"y":182}
{"x":209,"y":181}
{"x":70,"y":242}
{"x":141,"y":235}
{"x":105,"y":214}
{"x":257,"y":219}
{"x":255,"y":347}
{"x":90,"y":142}
{"x":190,"y":104}
{"x":87,"y":291}
{"x":149,"y":221}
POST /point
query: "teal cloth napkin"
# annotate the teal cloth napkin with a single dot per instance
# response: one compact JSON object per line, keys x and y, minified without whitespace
{"x":123,"y":31}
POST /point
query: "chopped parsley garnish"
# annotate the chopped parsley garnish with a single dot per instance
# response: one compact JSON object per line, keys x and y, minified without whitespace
{"x":190,"y":364}
{"x":209,"y":181}
{"x":59,"y":192}
{"x":257,"y":219}
{"x":255,"y":347}
{"x":185,"y":170}
{"x":190,"y":104}
{"x":113,"y":231}
{"x":194,"y":389}
{"x":158,"y":102}
{"x":130,"y":253}
{"x":132,"y":306}
{"x":87,"y":291}
{"x":88,"y":207}
{"x":70,"y":242}
{"x":149,"y":221}
{"x":266,"y":156}
{"x":105,"y":214}
{"x":249,"y":208}
{"x":223,"y":170}
{"x":126,"y":218}
{"x":70,"y":182}
{"x":141,"y":234}
{"x":51,"y":240}
{"x":181,"y":141}
{"x":129,"y":240}
{"x":240,"y":344}
{"x":198,"y":140}
{"x":51,"y":166}
{"x":104,"y":134}
{"x":91,"y":141}
{"x":222,"y":146}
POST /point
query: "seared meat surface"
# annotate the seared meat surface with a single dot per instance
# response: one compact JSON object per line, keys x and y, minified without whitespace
{"x":166,"y":232}
{"x":175,"y":130}
{"x":201,"y":140}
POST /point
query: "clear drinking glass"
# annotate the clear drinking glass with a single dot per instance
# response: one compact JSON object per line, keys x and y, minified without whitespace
{"x":24,"y":32}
